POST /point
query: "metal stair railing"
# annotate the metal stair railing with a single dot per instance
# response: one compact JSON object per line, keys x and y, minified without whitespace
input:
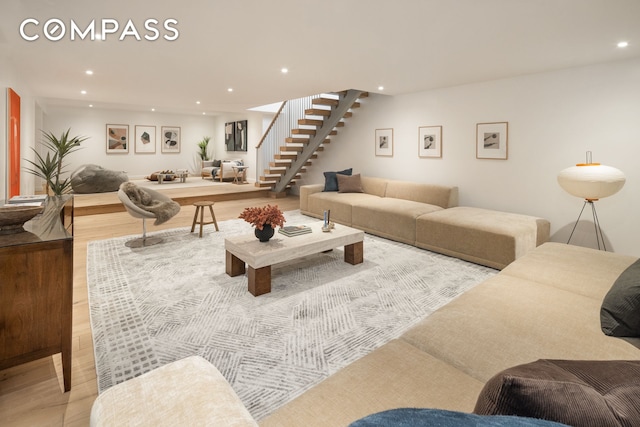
{"x":285,"y":120}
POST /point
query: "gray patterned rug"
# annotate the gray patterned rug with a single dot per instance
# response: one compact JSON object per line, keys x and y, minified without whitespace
{"x":150,"y":306}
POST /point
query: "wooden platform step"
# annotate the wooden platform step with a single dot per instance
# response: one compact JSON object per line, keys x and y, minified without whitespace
{"x":317,"y":112}
{"x":325,"y":101}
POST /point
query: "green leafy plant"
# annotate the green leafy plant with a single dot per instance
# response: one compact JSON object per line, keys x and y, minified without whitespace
{"x":51,"y":167}
{"x":203,"y":145}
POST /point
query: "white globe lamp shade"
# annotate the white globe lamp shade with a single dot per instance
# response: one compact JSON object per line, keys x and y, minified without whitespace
{"x":591,"y":181}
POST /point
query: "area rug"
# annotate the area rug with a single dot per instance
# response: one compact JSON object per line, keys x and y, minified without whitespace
{"x":151,"y":306}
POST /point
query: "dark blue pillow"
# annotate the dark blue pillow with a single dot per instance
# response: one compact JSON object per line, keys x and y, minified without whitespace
{"x":411,"y":417}
{"x":331,"y":181}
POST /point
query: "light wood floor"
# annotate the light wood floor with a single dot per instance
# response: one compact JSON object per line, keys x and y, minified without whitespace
{"x":32,"y":394}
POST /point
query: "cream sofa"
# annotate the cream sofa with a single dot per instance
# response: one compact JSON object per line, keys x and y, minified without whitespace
{"x":427,"y":216}
{"x":545,"y":305}
{"x":220,"y":173}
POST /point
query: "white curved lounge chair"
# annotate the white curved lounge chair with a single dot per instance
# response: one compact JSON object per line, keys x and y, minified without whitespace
{"x":137,"y":212}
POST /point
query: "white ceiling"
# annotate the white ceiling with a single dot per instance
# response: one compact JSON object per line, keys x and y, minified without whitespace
{"x":327,"y":45}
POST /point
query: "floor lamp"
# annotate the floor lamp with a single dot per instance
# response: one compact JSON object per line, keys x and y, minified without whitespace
{"x":591,"y":181}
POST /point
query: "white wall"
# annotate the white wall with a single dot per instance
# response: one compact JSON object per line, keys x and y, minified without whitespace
{"x":554,"y":118}
{"x":91,"y":122}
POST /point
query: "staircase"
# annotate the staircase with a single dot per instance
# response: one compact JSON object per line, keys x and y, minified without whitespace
{"x":309,"y":124}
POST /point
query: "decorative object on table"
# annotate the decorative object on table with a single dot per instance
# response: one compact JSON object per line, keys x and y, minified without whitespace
{"x":170,"y":139}
{"x":145,"y":204}
{"x":264,"y":217}
{"x":384,"y":142}
{"x":203,"y":146}
{"x":230,"y":136}
{"x":51,"y":167}
{"x":145,"y":140}
{"x":28,"y":199}
{"x":169,"y":175}
{"x":591,"y":181}
{"x":492,"y":140}
{"x":117,"y":139}
{"x":96,"y":179}
{"x":240,"y":143}
{"x":294,"y":230}
{"x":430,"y":141}
{"x":327,"y":221}
{"x":12,"y":218}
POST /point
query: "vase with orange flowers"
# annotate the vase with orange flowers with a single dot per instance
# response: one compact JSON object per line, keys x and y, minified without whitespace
{"x":265,"y":219}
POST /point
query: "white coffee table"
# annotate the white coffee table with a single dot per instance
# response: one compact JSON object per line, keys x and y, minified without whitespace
{"x":260,"y":256}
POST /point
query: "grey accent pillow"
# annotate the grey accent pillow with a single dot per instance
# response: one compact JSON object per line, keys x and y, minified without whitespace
{"x":349,"y":184}
{"x":330,"y":180}
{"x":217,"y":163}
{"x":620,"y":311}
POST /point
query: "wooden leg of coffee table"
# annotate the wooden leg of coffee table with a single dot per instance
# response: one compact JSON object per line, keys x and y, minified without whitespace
{"x":354,"y":254}
{"x":259,"y":280}
{"x":234,"y":265}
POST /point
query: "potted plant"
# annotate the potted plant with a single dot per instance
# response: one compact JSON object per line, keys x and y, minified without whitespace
{"x":203,"y":145}
{"x":51,"y":167}
{"x":265,"y":219}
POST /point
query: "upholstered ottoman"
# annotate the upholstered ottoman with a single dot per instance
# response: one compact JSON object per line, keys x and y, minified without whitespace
{"x":187,"y":392}
{"x":483,"y":236}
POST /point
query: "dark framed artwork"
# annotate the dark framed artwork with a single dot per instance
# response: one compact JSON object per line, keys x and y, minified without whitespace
{"x":241,"y":135}
{"x":145,"y":139}
{"x":170,"y":139}
{"x":230,"y":136}
{"x":117,"y":139}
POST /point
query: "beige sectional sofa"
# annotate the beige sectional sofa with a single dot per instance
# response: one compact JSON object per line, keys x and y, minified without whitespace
{"x":545,"y":305}
{"x":428,"y":216}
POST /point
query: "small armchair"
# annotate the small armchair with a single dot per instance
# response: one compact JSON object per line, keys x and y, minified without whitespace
{"x":158,"y":207}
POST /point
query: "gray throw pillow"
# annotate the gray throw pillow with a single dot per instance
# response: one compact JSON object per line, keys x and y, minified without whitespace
{"x":331,"y":181}
{"x":620,"y":311}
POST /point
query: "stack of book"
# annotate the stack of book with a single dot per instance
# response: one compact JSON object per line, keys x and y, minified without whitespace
{"x":27,"y":200}
{"x":294,"y":230}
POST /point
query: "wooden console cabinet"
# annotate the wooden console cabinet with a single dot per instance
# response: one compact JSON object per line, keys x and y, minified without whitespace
{"x":36,"y":288}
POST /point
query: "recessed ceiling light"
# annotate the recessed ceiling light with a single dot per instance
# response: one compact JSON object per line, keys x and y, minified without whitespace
{"x":230,"y":89}
{"x":284,"y":70}
{"x":198,"y":102}
{"x":89,"y":72}
{"x":84,"y":92}
{"x":380,"y":87}
{"x":623,"y":44}
{"x":90,"y":105}
{"x":203,"y":113}
{"x":153,"y":109}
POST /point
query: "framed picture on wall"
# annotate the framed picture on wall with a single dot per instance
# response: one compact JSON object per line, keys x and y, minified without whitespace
{"x":492,"y":140}
{"x":117,"y":139}
{"x":241,"y":135}
{"x":170,"y":139}
{"x":384,"y":142}
{"x":145,"y":142}
{"x":430,"y":141}
{"x":230,"y":136}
